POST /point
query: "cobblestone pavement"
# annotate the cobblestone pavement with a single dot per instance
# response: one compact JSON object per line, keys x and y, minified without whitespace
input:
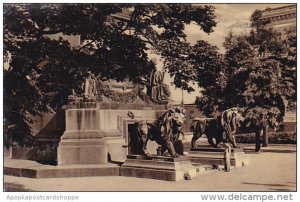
{"x":266,"y":172}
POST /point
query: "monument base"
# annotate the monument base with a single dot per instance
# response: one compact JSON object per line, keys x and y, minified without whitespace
{"x":33,"y":169}
{"x":215,"y":156}
{"x":82,"y":151}
{"x":158,"y":167}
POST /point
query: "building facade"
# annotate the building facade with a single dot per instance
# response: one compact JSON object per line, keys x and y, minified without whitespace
{"x":281,"y":18}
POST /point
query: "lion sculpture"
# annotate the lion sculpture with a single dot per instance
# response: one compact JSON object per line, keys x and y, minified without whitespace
{"x":165,"y":131}
{"x":221,"y":129}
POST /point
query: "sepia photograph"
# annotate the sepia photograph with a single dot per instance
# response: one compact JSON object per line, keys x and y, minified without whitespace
{"x":150,"y":97}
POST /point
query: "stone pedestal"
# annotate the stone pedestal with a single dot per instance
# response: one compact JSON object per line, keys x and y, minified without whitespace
{"x":82,"y":142}
{"x":82,"y":151}
{"x":215,"y":156}
{"x":158,"y":167}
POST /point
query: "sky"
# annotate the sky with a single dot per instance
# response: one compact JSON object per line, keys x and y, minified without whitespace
{"x":230,"y":17}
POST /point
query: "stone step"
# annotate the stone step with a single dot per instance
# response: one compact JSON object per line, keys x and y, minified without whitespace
{"x":208,"y":148}
{"x":158,"y":168}
{"x":215,"y":156}
{"x":32,"y":169}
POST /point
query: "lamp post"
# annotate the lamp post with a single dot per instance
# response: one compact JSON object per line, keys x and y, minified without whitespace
{"x":182,"y":102}
{"x":182,"y":97}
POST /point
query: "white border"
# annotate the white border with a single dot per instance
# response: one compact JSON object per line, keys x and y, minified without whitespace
{"x":130,"y":196}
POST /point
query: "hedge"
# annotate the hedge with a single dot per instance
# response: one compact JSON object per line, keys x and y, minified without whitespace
{"x":274,"y":138}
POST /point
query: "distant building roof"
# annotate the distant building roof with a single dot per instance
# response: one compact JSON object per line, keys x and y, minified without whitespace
{"x":281,"y":18}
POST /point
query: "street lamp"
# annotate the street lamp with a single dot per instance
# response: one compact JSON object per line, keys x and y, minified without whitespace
{"x":182,"y":102}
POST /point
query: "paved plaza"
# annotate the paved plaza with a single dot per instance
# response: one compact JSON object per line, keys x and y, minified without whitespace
{"x":268,"y":171}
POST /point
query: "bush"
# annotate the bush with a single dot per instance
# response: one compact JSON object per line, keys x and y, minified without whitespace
{"x":274,"y":138}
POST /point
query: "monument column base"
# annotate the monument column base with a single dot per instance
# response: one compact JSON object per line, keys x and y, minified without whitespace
{"x":158,"y":167}
{"x":82,"y":151}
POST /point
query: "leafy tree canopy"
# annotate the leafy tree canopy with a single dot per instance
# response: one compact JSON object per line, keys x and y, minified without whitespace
{"x":42,"y":71}
{"x":260,"y":72}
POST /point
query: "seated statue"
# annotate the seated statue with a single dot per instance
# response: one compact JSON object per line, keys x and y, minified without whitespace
{"x":159,"y":91}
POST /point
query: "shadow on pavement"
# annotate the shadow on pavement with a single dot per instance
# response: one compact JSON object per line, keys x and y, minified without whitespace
{"x":283,"y":190}
{"x":291,"y":182}
{"x":251,"y":152}
{"x":275,"y":185}
{"x":272,"y":185}
{"x":14,"y":187}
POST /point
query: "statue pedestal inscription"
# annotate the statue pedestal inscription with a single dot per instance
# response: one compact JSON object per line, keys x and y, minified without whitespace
{"x":158,"y":167}
{"x":215,"y":156}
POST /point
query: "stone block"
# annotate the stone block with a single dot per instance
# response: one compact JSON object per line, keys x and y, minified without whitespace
{"x":82,"y":151}
{"x":132,"y":106}
{"x":115,"y":149}
{"x":27,"y":172}
{"x":82,"y":119}
{"x":215,"y":156}
{"x":157,"y":167}
{"x":32,"y":169}
{"x":109,"y":119}
{"x":82,"y":134}
{"x":84,"y":171}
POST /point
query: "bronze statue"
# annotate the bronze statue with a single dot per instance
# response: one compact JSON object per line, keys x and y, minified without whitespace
{"x":138,"y":139}
{"x":164,"y":131}
{"x":230,"y":121}
{"x":222,"y":128}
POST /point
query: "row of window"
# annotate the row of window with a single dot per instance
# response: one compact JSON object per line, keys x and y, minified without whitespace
{"x":282,"y":17}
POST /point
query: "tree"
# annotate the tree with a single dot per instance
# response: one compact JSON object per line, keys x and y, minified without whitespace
{"x":260,"y":84}
{"x":42,"y":71}
{"x":258,"y":74}
{"x":289,"y":61}
{"x":209,"y":67}
{"x":280,"y":46}
{"x":162,"y":27}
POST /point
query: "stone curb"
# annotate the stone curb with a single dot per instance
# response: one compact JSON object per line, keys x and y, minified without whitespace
{"x":275,"y":150}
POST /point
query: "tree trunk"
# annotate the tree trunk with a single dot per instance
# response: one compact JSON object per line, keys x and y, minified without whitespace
{"x":258,"y":133}
{"x":265,"y":137}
